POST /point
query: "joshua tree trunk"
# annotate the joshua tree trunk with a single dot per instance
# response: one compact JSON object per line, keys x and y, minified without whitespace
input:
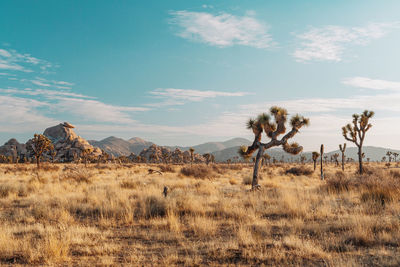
{"x":315,"y":164}
{"x":342,"y":161}
{"x":360,"y":161}
{"x":254,"y":183}
{"x":322,"y":168}
{"x":38,"y":162}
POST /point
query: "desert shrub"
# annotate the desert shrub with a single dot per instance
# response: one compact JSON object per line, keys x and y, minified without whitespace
{"x":247,"y":180}
{"x":5,"y":190}
{"x":166,"y":168}
{"x":129,"y":184}
{"x":338,"y":182}
{"x":197,"y":171}
{"x":395,"y":174}
{"x":76,"y":174}
{"x":379,"y":195}
{"x":153,"y":206}
{"x":302,"y":170}
{"x":49,"y":167}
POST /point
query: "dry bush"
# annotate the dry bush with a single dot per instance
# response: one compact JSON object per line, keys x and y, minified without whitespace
{"x":76,"y":174}
{"x":5,"y":190}
{"x":152,"y":206}
{"x":338,"y":183}
{"x":247,"y":180}
{"x":127,"y":184}
{"x":166,"y":168}
{"x":376,"y":185}
{"x":301,"y":170}
{"x":48,"y":167}
{"x":197,"y":171}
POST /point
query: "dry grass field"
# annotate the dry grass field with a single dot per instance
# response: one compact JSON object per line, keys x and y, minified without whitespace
{"x":117,"y":215}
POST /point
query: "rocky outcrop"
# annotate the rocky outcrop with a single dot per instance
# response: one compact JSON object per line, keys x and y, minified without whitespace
{"x":157,"y":154}
{"x":68,"y":146}
{"x":12,"y":148}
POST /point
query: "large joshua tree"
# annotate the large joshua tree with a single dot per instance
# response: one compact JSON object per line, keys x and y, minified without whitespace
{"x":273,"y":129}
{"x":342,"y":149}
{"x":356,"y":131}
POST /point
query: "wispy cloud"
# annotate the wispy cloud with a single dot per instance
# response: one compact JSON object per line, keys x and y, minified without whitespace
{"x":368,"y":83}
{"x":23,"y":115}
{"x":51,"y":83}
{"x":97,"y":111}
{"x":14,"y":61}
{"x":174,"y":96}
{"x":329,"y":42}
{"x":221,"y":30}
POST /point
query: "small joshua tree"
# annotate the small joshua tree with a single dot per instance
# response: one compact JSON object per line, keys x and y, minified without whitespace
{"x":335,"y":158}
{"x":191,"y":150}
{"x":356,"y":132}
{"x":342,"y":149}
{"x":207,"y":156}
{"x":322,"y":167}
{"x":266,"y":158}
{"x":395,"y":155}
{"x":40,"y":145}
{"x":389,"y":154}
{"x":314,"y":157}
{"x":85,"y":155}
{"x":272,"y":129}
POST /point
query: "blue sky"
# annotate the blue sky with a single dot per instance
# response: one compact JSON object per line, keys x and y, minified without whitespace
{"x":186,"y":72}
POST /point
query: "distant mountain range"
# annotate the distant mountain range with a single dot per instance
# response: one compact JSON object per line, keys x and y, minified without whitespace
{"x":119,"y":147}
{"x":227,"y":149}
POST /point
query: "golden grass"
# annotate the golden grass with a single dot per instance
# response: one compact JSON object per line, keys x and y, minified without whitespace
{"x":117,"y":215}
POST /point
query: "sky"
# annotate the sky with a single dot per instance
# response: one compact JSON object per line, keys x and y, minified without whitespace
{"x":188,"y":72}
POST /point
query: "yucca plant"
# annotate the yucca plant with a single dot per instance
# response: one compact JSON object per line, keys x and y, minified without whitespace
{"x":314,"y":157}
{"x":342,"y":149}
{"x":273,"y":129}
{"x":356,"y":131}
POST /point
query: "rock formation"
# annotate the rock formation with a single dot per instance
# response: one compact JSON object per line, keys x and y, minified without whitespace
{"x":12,"y":148}
{"x":68,"y":146}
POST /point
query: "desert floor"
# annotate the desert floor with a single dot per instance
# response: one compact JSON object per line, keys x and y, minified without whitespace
{"x":68,"y":214}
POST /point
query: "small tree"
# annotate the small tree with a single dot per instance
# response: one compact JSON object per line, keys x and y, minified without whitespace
{"x":262,"y":124}
{"x":85,"y":153}
{"x":266,"y":158}
{"x":212,"y":158}
{"x":40,"y":144}
{"x":191,"y":150}
{"x":395,"y":155}
{"x":342,"y":149}
{"x":389,"y":154}
{"x":315,"y":156}
{"x":207,"y":156}
{"x":335,"y":158}
{"x":356,"y":133}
